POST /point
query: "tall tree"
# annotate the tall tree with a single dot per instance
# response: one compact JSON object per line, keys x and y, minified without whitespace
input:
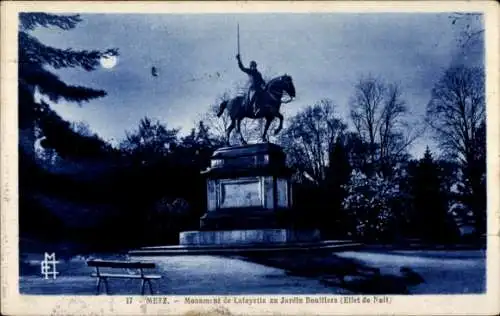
{"x":378,"y":114}
{"x":310,"y":138}
{"x":430,"y":199}
{"x":35,"y":61}
{"x":37,"y":67}
{"x":337,"y":178}
{"x":457,"y":114}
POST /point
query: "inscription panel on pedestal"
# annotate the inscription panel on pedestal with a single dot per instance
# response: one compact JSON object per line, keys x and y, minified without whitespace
{"x":236,"y":193}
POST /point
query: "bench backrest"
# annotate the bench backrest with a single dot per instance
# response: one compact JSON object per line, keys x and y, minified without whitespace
{"x":120,"y":264}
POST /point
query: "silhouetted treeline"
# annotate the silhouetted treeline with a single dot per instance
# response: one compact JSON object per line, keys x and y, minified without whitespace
{"x":150,"y":188}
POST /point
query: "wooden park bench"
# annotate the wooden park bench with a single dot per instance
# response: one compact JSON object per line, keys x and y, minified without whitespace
{"x":111,"y":264}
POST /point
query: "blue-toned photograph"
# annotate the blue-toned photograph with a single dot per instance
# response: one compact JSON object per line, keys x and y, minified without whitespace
{"x":256,"y":154}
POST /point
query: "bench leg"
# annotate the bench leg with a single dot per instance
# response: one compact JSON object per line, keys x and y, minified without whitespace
{"x":150,"y":287}
{"x":143,"y":283}
{"x":98,"y":286}
{"x":106,"y":285}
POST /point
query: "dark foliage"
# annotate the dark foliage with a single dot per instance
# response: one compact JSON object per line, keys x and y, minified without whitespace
{"x":430,"y":197}
{"x":457,"y":115}
{"x":38,"y":120}
{"x":68,"y":143}
{"x":35,"y":59}
{"x":29,"y":21}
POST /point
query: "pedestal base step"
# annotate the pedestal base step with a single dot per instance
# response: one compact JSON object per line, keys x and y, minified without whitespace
{"x":291,"y":248}
{"x":246,"y":237}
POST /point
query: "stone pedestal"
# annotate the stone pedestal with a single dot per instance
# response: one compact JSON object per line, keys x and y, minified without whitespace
{"x":248,"y":187}
{"x":249,"y":199}
{"x":249,"y":210}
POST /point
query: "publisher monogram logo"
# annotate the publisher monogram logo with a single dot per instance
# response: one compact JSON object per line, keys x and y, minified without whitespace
{"x":48,"y":266}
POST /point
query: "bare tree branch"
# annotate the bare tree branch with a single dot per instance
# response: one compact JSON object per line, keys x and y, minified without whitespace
{"x":378,"y":112}
{"x":310,"y":137}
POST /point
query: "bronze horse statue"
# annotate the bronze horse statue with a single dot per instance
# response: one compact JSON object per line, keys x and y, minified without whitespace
{"x":269,"y":103}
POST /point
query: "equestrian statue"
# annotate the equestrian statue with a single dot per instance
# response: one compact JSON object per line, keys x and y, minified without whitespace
{"x":262,"y":100}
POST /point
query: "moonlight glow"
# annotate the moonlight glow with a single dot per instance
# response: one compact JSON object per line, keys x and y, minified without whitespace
{"x":108,"y":62}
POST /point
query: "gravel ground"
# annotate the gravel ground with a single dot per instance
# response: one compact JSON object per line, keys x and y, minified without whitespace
{"x":424,"y":272}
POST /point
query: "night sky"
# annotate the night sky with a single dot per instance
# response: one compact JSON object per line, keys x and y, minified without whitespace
{"x":195,"y":56}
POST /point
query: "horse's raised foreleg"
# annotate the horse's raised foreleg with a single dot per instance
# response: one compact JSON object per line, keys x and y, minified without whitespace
{"x":228,"y":132}
{"x":266,"y":127}
{"x":280,"y":117}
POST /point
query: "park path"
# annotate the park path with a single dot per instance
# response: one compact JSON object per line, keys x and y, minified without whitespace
{"x":221,"y":275}
{"x":182,"y":275}
{"x":444,"y":272}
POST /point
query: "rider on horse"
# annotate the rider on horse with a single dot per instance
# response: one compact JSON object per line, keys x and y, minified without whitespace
{"x":256,"y":86}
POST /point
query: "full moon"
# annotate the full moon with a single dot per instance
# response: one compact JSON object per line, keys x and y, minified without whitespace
{"x":108,"y":62}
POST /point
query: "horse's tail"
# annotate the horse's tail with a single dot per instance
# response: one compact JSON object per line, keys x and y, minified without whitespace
{"x":222,"y":107}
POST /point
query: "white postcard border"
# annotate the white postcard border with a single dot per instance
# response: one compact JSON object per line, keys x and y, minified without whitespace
{"x":13,"y":303}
